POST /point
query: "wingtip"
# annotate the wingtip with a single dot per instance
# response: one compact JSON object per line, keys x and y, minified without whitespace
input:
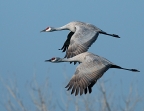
{"x":76,"y":94}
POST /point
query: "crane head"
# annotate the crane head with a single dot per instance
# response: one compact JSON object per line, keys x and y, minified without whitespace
{"x":48,"y":29}
{"x":54,"y":60}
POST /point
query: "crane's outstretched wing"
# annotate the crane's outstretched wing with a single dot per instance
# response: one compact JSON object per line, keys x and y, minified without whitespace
{"x":81,"y":40}
{"x":67,"y":42}
{"x":87,"y":74}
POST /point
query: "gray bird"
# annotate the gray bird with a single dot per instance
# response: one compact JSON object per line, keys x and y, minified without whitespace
{"x":90,"y":69}
{"x":81,"y":37}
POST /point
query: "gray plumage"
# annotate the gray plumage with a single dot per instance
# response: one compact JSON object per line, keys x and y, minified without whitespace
{"x":90,"y":69}
{"x":81,"y":37}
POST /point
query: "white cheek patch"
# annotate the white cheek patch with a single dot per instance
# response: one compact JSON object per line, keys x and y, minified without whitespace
{"x":47,"y":30}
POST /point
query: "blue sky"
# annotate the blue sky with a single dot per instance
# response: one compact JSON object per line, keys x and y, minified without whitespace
{"x":23,"y":48}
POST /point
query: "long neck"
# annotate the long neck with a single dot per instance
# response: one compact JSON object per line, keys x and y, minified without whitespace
{"x":65,"y":27}
{"x":69,"y":60}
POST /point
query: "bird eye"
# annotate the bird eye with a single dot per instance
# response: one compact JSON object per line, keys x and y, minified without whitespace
{"x":53,"y":58}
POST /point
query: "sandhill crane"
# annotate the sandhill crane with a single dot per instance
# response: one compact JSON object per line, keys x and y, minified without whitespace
{"x":90,"y":69}
{"x":81,"y":37}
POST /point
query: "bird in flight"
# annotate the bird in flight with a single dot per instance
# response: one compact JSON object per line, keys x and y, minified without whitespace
{"x":90,"y":69}
{"x":81,"y":37}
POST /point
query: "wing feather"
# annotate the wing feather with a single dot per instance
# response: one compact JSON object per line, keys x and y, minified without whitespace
{"x":77,"y":91}
{"x":86,"y":75}
{"x":81,"y":87}
{"x":67,"y":42}
{"x":81,"y":40}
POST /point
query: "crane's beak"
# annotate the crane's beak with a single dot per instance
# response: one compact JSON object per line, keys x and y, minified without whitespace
{"x":48,"y":60}
{"x":43,"y":30}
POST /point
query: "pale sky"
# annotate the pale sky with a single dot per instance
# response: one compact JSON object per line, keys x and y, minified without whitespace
{"x":24,"y":49}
